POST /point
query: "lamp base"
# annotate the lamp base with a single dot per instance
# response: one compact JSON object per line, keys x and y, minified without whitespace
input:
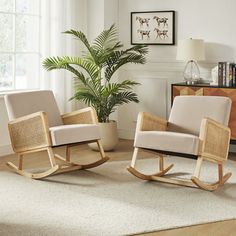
{"x":188,"y":82}
{"x":191,"y":72}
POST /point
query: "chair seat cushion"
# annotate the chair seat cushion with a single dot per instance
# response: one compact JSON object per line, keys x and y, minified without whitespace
{"x":66,"y":134}
{"x":167,"y":141}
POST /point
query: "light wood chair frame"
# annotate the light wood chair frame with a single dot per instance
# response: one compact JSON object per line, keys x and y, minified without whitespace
{"x":213,"y":147}
{"x":30,"y":134}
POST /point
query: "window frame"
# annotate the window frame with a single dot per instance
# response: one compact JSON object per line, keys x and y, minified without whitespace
{"x":14,"y":53}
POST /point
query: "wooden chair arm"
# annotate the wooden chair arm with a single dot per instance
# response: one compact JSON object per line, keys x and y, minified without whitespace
{"x":149,"y":122}
{"x":29,"y":132}
{"x":83,"y":116}
{"x":214,"y":140}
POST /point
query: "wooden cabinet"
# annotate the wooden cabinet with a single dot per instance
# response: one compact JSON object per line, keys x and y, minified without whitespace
{"x":208,"y":90}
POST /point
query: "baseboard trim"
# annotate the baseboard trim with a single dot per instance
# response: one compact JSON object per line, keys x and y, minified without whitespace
{"x":6,"y":150}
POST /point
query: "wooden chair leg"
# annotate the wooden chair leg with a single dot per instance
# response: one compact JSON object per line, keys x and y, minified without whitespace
{"x":198,"y":167}
{"x":223,"y":178}
{"x":72,"y":165}
{"x":103,"y":159}
{"x":161,"y":162}
{"x":68,"y":153}
{"x":209,"y":186}
{"x":51,"y":157}
{"x":101,"y":150}
{"x":134,"y":158}
{"x":143,"y":176}
{"x":220,"y":172}
{"x":20,"y":165}
{"x":19,"y":169}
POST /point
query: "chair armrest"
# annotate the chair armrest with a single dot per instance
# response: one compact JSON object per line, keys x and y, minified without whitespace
{"x":29,"y":132}
{"x":149,"y":122}
{"x":83,"y":116}
{"x":214,"y":140}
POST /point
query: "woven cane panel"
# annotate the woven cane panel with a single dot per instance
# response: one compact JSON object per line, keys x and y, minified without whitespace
{"x":28,"y":134}
{"x":216,"y":141}
{"x":150,"y":123}
{"x":231,"y":93}
{"x":79,"y":118}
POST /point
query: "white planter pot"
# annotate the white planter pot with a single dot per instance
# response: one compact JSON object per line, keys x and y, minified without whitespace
{"x":109,"y":136}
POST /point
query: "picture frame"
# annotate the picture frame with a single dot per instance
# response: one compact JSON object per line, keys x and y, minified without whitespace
{"x":153,"y":28}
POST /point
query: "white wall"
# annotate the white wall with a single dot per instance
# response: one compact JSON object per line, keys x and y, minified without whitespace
{"x":95,"y":18}
{"x":101,"y":14}
{"x":211,"y":20}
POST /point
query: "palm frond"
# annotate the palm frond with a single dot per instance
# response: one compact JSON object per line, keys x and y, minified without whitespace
{"x":79,"y":35}
{"x":65,"y":62}
{"x":120,"y":99}
{"x":106,"y":39}
{"x":130,"y":58}
{"x":112,"y":88}
{"x":85,"y":96}
{"x":53,"y":63}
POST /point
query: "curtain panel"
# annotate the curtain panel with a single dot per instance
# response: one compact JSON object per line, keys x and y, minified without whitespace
{"x":58,"y":16}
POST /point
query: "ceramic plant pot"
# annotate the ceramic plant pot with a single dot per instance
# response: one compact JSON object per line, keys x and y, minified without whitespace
{"x":109,"y":136}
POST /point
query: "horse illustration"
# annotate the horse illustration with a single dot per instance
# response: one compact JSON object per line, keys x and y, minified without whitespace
{"x":143,"y":21}
{"x":162,"y":34}
{"x":144,"y":33}
{"x":162,"y":20}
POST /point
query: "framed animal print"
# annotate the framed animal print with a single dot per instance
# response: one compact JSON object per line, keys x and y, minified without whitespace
{"x":153,"y":28}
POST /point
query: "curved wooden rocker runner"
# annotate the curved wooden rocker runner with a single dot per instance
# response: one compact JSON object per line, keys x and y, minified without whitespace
{"x":67,"y":165}
{"x":193,"y":182}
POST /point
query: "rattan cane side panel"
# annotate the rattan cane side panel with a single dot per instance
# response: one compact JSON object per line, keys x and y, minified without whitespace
{"x":226,"y":92}
{"x":28,"y":134}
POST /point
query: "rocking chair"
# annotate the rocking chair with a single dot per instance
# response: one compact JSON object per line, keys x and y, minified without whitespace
{"x":36,"y":125}
{"x":197,"y":128}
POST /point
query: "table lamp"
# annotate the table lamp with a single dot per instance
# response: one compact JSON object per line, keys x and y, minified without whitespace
{"x":191,"y":51}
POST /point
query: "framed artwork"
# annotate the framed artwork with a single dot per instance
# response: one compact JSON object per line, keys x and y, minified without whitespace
{"x":153,"y":28}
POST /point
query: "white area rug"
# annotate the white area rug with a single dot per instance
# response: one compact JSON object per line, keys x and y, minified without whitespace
{"x":108,"y":200}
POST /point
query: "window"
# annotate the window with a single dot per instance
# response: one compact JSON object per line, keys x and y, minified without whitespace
{"x":19,"y":44}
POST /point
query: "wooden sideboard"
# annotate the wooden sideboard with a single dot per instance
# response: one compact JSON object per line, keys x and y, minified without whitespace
{"x":181,"y":89}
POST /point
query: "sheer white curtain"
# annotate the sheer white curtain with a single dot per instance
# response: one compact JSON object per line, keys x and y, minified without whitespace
{"x":57,"y":17}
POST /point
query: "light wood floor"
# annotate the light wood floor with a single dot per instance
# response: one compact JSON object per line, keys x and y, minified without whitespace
{"x":124,"y":152}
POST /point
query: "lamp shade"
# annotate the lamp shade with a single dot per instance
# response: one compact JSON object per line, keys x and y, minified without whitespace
{"x":191,"y":49}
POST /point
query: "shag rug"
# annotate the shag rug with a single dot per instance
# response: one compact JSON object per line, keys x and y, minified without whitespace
{"x":107,"y":200}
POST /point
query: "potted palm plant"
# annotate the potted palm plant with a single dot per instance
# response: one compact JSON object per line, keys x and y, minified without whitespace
{"x":93,"y":76}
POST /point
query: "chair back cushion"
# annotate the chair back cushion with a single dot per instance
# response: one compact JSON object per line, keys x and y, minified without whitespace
{"x":188,"y":111}
{"x":21,"y":104}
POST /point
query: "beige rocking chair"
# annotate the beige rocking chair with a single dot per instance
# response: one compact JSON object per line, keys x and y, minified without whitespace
{"x":36,"y":125}
{"x":197,"y":128}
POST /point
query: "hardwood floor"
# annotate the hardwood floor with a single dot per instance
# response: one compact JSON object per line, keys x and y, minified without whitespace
{"x":124,"y":152}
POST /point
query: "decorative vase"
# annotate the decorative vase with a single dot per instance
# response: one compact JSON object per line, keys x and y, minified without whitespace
{"x":109,"y":136}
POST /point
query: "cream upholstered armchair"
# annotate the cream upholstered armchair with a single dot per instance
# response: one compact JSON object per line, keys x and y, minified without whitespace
{"x":197,"y":127}
{"x":36,"y":125}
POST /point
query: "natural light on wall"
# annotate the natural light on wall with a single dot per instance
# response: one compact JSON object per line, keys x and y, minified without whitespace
{"x":19,"y":44}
